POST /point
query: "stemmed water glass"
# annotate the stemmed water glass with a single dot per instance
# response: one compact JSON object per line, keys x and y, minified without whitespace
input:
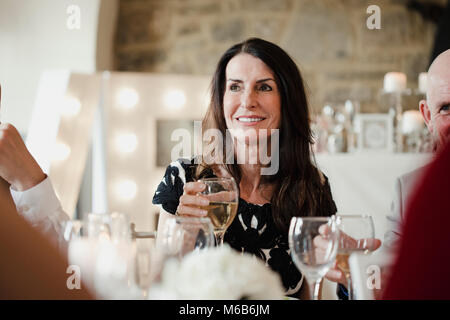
{"x":313,"y":242}
{"x":223,"y":196}
{"x":100,"y":245}
{"x":148,"y":265}
{"x":356,"y":234}
{"x":181,"y":235}
{"x":82,"y":240}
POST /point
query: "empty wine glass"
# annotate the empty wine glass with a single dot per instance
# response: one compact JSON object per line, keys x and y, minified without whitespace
{"x":357,"y":233}
{"x":147,"y":265}
{"x":223,"y":196}
{"x":100,"y":245}
{"x":181,"y":235}
{"x":82,"y":239}
{"x":313,"y":242}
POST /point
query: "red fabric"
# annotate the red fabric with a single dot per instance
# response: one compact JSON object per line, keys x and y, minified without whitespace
{"x":422,"y":267}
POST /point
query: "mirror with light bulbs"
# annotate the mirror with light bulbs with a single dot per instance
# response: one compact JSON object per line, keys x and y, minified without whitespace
{"x":110,"y":138}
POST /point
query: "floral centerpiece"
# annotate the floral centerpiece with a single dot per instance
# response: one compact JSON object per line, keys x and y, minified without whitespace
{"x":218,"y":273}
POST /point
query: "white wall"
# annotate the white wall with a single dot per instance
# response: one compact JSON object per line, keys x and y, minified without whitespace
{"x":34,"y":37}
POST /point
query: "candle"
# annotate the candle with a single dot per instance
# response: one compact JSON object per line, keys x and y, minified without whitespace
{"x":412,"y":121}
{"x":394,"y":82}
{"x":423,"y":82}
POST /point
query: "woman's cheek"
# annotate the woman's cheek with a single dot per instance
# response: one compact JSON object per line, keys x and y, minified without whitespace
{"x":230,"y":108}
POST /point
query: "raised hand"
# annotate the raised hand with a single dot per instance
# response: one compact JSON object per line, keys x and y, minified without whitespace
{"x":17,"y":165}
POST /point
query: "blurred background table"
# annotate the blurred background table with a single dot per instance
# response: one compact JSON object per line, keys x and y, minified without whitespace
{"x":363,"y":183}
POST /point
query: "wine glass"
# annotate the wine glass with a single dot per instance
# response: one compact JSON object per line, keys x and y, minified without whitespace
{"x":355,"y":233}
{"x":181,"y":235}
{"x":100,"y":245}
{"x":223,"y":196}
{"x":313,"y":242}
{"x":82,"y":239}
{"x":147,"y":265}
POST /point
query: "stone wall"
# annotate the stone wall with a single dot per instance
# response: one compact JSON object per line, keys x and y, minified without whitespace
{"x":339,"y":56}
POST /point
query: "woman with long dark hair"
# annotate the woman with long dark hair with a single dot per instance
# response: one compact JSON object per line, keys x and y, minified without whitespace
{"x":257,"y":88}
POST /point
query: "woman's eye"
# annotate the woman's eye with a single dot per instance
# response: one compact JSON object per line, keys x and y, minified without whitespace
{"x":234,"y":87}
{"x":265,"y":87}
{"x":445,"y":109}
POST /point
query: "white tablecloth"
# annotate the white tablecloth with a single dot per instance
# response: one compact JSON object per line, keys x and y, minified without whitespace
{"x":364,"y":183}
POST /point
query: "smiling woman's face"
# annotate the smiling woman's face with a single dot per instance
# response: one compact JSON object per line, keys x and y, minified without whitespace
{"x":251,"y":100}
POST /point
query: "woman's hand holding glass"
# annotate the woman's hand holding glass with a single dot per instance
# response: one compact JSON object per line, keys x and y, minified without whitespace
{"x":191,"y":202}
{"x":223,"y":196}
{"x":216,"y":198}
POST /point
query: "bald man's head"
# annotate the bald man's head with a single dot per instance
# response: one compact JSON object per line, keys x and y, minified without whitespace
{"x":436,"y":109}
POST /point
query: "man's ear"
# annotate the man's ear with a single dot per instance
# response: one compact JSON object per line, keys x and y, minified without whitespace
{"x":426,"y":114}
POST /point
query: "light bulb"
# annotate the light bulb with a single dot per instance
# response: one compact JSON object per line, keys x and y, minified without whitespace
{"x":127,"y":98}
{"x":71,"y":106}
{"x":61,"y":151}
{"x":126,"y":190}
{"x":126,"y":142}
{"x":174,"y":99}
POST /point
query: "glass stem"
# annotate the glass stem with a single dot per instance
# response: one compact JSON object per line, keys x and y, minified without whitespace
{"x":219,"y":237}
{"x":349,"y":286}
{"x":314,"y":288}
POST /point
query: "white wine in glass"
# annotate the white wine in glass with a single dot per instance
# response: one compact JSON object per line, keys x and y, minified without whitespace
{"x":223,"y":196}
{"x":221,"y":214}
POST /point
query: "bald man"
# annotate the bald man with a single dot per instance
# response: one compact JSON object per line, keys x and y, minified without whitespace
{"x":436,"y":113}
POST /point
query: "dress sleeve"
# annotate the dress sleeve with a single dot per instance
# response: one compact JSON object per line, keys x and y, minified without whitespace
{"x":171,"y":186}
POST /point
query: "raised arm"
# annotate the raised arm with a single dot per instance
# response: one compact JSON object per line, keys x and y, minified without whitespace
{"x":30,"y":187}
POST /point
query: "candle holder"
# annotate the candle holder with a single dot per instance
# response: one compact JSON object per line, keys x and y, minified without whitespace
{"x":333,"y":128}
{"x":394,"y":99}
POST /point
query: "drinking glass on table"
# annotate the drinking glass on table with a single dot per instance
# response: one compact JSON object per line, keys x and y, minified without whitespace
{"x":82,"y":238}
{"x":182,"y":234}
{"x":223,"y":196}
{"x":357,"y":234}
{"x":147,"y":265}
{"x":100,"y":246}
{"x":313,"y":250}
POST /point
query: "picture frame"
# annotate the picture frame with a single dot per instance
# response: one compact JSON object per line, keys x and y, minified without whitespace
{"x":375,"y":132}
{"x":164,"y":144}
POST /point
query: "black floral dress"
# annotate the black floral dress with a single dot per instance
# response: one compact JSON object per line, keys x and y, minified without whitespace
{"x":252,"y":231}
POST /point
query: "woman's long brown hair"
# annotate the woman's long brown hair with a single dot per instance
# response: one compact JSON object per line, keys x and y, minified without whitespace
{"x":298,"y":187}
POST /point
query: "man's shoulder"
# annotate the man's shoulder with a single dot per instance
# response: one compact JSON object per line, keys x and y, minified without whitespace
{"x":411,"y":177}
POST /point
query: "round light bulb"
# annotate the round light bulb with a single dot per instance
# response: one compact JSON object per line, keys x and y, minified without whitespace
{"x":126,"y":142}
{"x":127,"y":98}
{"x":126,"y":190}
{"x":174,"y":99}
{"x":71,"y":107}
{"x":61,"y":151}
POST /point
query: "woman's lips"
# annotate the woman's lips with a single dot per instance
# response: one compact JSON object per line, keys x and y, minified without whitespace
{"x":249,"y":121}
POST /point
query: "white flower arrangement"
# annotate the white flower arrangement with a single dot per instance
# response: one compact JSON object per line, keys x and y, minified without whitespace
{"x":219,"y":273}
